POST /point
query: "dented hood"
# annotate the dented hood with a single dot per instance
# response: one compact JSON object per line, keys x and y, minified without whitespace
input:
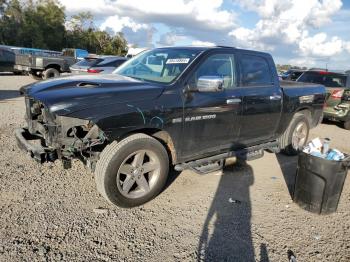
{"x":66,"y":95}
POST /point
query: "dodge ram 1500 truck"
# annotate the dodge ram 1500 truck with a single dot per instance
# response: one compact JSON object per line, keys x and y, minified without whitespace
{"x":189,"y":107}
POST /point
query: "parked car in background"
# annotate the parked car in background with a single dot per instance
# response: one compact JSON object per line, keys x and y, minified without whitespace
{"x":191,"y":107}
{"x":337,"y":104}
{"x":44,"y":66}
{"x":97,"y":64}
{"x":7,"y":60}
{"x":292,"y":74}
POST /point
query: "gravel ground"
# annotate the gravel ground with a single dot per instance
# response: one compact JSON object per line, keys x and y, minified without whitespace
{"x":244,"y":213}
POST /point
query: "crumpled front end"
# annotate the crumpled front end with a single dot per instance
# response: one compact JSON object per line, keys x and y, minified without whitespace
{"x":48,"y":137}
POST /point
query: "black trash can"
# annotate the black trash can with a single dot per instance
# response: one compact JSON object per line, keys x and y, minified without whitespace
{"x":319,"y":183}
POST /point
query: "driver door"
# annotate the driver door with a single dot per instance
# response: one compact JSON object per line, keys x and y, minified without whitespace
{"x":211,"y":119}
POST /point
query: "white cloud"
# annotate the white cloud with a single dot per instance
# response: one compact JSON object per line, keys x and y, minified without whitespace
{"x":117,"y":23}
{"x":302,"y":61}
{"x":170,"y":38}
{"x":96,"y":7}
{"x":287,"y":22}
{"x":189,"y":14}
{"x":347,"y":46}
{"x":318,"y":45}
{"x":288,"y":29}
{"x":247,"y":38}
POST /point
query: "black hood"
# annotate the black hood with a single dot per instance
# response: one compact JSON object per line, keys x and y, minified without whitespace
{"x":66,"y":95}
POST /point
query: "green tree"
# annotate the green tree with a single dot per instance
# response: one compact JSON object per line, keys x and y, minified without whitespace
{"x":10,"y":22}
{"x":42,"y":24}
{"x":82,"y":33}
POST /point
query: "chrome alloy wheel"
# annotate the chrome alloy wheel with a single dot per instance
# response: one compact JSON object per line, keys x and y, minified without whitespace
{"x":299,"y":135}
{"x":138,"y":174}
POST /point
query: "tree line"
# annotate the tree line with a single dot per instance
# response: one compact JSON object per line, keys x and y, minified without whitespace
{"x":43,"y":24}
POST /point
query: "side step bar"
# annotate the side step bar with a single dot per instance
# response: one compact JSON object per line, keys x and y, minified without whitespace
{"x":249,"y":153}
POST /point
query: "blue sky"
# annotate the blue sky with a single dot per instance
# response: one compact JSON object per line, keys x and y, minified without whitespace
{"x":298,"y":32}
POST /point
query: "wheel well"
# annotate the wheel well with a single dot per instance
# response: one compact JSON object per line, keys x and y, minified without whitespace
{"x":162,"y":136}
{"x":57,"y":67}
{"x":308,"y":113}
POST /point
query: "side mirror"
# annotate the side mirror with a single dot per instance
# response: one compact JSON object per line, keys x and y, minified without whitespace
{"x":210,"y":84}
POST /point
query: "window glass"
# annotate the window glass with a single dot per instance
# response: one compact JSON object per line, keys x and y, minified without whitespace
{"x":159,"y":65}
{"x":118,"y":63}
{"x":325,"y":78}
{"x":219,"y":65}
{"x":89,"y":62}
{"x":255,"y":71}
{"x":114,"y":63}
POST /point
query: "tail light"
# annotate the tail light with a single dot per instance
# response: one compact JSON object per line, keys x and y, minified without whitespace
{"x":94,"y":71}
{"x":337,"y":94}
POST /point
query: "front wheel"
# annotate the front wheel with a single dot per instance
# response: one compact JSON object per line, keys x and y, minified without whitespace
{"x":50,"y":73}
{"x":296,"y":135}
{"x":133,"y":171}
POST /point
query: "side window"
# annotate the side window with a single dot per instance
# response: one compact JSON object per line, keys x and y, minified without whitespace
{"x":255,"y":71}
{"x":219,"y":65}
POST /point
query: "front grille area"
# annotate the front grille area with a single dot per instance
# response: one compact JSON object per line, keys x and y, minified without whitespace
{"x":40,"y":122}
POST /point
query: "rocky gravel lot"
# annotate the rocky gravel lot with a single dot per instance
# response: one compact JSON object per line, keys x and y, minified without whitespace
{"x":244,"y":213}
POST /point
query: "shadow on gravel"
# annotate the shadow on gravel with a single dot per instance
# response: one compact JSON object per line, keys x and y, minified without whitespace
{"x":173,"y":175}
{"x":336,"y":123}
{"x":288,"y":166}
{"x":226,"y":234}
{"x":8,"y":94}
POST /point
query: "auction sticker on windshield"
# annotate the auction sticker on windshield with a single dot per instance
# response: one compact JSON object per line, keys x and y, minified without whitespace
{"x":178,"y":61}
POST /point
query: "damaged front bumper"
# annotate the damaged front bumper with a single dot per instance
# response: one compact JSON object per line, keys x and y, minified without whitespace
{"x":26,"y":141}
{"x":48,"y":137}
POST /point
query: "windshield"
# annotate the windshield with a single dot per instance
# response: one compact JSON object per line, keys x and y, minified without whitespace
{"x":324,"y":78}
{"x":158,"y":65}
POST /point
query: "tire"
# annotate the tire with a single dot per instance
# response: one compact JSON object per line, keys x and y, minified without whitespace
{"x":50,"y":73}
{"x":299,"y":123}
{"x":347,"y":125}
{"x":126,"y":155}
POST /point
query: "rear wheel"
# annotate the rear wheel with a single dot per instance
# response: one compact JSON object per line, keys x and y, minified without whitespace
{"x":296,"y":135}
{"x":50,"y":73}
{"x":347,"y":125}
{"x":133,"y":171}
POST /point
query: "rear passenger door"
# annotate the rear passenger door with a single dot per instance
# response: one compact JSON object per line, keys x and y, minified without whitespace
{"x":262,"y":98}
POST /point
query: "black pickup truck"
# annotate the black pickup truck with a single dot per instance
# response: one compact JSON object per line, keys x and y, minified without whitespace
{"x":190,"y":107}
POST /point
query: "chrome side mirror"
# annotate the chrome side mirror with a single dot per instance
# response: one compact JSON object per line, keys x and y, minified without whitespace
{"x":210,"y":84}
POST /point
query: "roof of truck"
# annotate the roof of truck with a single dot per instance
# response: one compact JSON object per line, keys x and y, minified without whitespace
{"x":204,"y":48}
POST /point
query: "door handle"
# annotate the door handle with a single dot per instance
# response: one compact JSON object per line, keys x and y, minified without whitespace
{"x":275,"y":97}
{"x":233,"y":101}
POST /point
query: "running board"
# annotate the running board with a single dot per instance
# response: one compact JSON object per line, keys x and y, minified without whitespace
{"x":209,"y":167}
{"x":249,"y":153}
